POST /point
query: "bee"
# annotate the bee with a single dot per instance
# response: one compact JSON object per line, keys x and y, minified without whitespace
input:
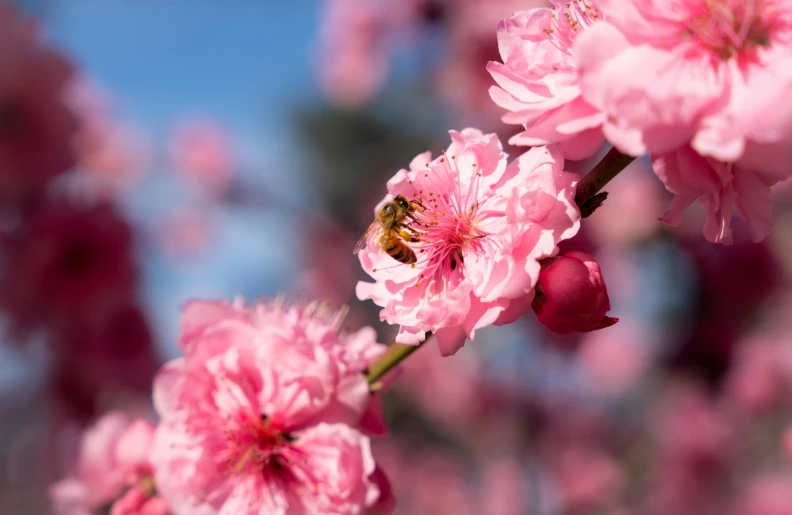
{"x":392,"y":231}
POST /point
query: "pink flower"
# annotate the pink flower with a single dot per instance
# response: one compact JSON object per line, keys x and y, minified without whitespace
{"x":250,"y":415}
{"x":356,"y":46}
{"x":202,"y":156}
{"x":36,"y":127}
{"x":720,"y":188}
{"x":113,"y":456}
{"x":571,"y":295}
{"x":538,"y":80}
{"x":712,"y":74}
{"x":482,"y":226}
{"x":768,"y":494}
{"x":587,"y":477}
{"x":759,"y":373}
{"x":137,"y":501}
{"x":462,"y":78}
{"x":111,"y":154}
{"x":615,"y":360}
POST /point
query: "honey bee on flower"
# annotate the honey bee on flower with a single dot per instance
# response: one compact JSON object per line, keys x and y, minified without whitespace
{"x":478,"y":228}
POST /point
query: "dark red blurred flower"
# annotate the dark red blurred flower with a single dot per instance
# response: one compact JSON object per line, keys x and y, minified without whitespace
{"x":36,"y":127}
{"x":68,"y":263}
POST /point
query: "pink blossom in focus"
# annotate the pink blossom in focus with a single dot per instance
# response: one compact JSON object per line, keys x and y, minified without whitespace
{"x":70,"y":263}
{"x":36,"y":126}
{"x":538,"y":81}
{"x":113,"y":457}
{"x":720,"y":189}
{"x":712,"y":74}
{"x":482,"y":229}
{"x":253,"y":416}
{"x":202,"y":155}
{"x":571,"y":295}
{"x":469,"y":45}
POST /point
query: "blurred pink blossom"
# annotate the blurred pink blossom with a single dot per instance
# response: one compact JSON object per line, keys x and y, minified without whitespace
{"x":36,"y":126}
{"x":586,"y":477}
{"x":538,"y":81}
{"x":468,"y":45}
{"x":502,"y":489}
{"x":482,"y":226}
{"x":695,"y":442}
{"x":283,"y":381}
{"x":113,"y":457}
{"x":571,"y":296}
{"x":449,"y":394}
{"x":356,"y":43}
{"x":635,"y":191}
{"x":202,"y":155}
{"x":690,"y":426}
{"x":768,"y":494}
{"x":410,"y":468}
{"x":186,"y":231}
{"x":614,"y":360}
{"x":760,"y":375}
{"x":111,"y":153}
{"x":786,"y":442}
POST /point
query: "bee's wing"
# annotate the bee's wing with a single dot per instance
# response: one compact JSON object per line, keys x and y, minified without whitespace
{"x":370,"y":232}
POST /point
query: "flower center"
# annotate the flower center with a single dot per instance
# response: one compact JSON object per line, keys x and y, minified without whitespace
{"x":256,"y":447}
{"x":569,"y":19}
{"x":446,"y":226}
{"x":738,"y":29}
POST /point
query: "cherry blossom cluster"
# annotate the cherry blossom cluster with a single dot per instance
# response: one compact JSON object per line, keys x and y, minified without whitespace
{"x":271,"y":406}
{"x":487,"y":231}
{"x":262,"y":414}
{"x":698,"y":85}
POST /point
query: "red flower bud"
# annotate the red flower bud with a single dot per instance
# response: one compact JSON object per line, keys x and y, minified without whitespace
{"x":571,"y":296}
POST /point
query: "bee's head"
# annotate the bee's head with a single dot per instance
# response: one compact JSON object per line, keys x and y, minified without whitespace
{"x":403,"y":202}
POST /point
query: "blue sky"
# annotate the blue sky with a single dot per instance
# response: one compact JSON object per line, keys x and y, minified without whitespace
{"x":242,"y":61}
{"x":245,"y":63}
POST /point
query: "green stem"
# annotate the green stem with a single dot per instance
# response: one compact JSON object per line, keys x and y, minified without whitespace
{"x":610,"y":166}
{"x":395,"y":353}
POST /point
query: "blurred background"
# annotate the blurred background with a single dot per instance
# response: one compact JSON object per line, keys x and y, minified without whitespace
{"x":206,"y":149}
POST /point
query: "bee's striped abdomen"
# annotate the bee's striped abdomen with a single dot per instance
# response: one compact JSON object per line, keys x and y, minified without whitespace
{"x":399,"y":251}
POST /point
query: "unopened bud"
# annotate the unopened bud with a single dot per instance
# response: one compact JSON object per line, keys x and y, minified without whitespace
{"x":571,"y":296}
